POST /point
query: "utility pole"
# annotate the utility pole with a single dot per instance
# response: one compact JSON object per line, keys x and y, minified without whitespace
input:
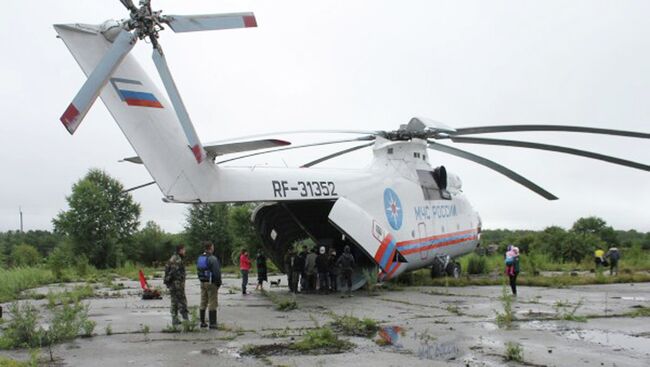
{"x":21,"y":219}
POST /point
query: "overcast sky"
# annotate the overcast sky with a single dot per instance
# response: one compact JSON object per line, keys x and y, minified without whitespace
{"x":353,"y":64}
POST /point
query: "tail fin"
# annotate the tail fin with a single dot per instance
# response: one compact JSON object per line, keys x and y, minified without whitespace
{"x":145,"y":116}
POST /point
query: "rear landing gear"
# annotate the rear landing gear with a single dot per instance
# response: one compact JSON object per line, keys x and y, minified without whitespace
{"x":444,"y":265}
{"x":453,"y":270}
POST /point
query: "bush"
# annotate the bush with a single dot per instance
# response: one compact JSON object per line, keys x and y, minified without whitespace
{"x":25,"y":255}
{"x":477,"y":264}
{"x":321,"y":338}
{"x":353,"y":326}
{"x":21,"y":331}
{"x":514,"y":352}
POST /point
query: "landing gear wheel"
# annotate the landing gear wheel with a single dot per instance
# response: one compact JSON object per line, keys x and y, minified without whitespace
{"x":437,"y":269}
{"x":453,"y":270}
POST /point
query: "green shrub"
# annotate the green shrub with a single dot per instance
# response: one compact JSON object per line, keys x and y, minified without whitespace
{"x":321,"y":338}
{"x":21,"y":331}
{"x":14,"y":281}
{"x":353,"y":326}
{"x":477,"y":264}
{"x":514,"y":352}
{"x":25,"y":255}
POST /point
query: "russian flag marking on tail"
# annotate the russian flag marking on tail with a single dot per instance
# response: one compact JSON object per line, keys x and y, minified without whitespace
{"x":142,"y":99}
{"x":134,"y":97}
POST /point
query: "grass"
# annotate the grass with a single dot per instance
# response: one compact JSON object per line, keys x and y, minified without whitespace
{"x":514,"y":352}
{"x":321,"y":339}
{"x":16,"y":280}
{"x":281,"y":303}
{"x":640,"y":312}
{"x":565,"y":310}
{"x":353,"y":326}
{"x":504,"y":319}
{"x":75,"y":295}
{"x":422,"y":278}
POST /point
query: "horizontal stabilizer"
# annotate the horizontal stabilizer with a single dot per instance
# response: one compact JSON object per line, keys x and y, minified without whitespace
{"x":216,"y":150}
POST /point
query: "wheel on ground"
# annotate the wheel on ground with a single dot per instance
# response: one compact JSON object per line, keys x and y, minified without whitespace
{"x":453,"y":270}
{"x":437,"y":269}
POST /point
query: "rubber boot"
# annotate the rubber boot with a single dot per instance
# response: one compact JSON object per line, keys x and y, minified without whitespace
{"x":213,"y":319}
{"x":202,"y":314}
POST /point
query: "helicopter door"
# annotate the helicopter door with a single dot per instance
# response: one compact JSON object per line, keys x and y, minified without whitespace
{"x":368,"y":234}
{"x":422,"y":233}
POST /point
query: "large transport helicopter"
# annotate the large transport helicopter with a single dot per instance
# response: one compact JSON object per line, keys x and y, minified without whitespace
{"x":398,"y":214}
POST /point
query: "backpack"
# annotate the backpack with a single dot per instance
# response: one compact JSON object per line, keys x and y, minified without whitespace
{"x":203,"y":268}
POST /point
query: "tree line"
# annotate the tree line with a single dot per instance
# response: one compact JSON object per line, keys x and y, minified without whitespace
{"x":102,"y":228}
{"x":573,"y":245}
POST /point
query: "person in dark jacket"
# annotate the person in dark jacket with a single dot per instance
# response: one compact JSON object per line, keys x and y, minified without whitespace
{"x":260,"y":264}
{"x":289,"y":258}
{"x":332,"y":271}
{"x":613,"y":256}
{"x":175,"y":281}
{"x":310,"y":270}
{"x":209,"y":273}
{"x":322,"y":266}
{"x":346,"y":264}
{"x":512,"y":267}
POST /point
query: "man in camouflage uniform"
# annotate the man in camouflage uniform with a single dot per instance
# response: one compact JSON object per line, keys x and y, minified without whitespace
{"x":175,"y":281}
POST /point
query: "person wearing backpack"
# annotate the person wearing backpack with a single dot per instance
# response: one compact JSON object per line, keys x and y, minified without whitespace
{"x":512,"y":267}
{"x":209,"y":273}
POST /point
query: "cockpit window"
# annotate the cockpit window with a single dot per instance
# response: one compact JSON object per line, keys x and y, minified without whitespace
{"x":430,"y":186}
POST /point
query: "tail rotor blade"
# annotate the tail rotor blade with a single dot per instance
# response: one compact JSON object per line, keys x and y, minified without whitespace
{"x":91,"y":89}
{"x":210,"y":22}
{"x":493,"y":165}
{"x":175,"y":97}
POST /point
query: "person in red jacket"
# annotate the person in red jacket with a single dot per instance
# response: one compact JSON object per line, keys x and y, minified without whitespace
{"x":244,"y":268}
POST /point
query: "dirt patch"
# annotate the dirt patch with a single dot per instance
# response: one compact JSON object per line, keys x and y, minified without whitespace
{"x":279,"y":349}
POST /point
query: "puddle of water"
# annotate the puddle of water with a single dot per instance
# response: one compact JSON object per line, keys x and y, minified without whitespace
{"x":634,"y":298}
{"x":611,"y":339}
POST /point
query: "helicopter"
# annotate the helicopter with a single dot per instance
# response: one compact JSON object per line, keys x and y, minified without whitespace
{"x":398,"y":214}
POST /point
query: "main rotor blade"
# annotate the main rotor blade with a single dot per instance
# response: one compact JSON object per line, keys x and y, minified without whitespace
{"x":129,"y":5}
{"x":210,"y":22}
{"x":91,"y":89}
{"x":363,"y":138}
{"x":554,"y":148}
{"x":493,"y":165}
{"x":334,"y":155}
{"x":319,"y":131}
{"x":518,"y":128}
{"x":179,"y":106}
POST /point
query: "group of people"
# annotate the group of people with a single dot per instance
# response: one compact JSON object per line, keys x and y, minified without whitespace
{"x":610,"y":259}
{"x":318,"y":270}
{"x":601,"y":259}
{"x":245,"y":267}
{"x":209,"y":273}
{"x":306,"y":269}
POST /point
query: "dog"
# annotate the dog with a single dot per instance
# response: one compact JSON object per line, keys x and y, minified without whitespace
{"x":276,"y":283}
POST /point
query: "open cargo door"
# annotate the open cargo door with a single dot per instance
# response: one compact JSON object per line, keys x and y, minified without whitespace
{"x":368,"y":235}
